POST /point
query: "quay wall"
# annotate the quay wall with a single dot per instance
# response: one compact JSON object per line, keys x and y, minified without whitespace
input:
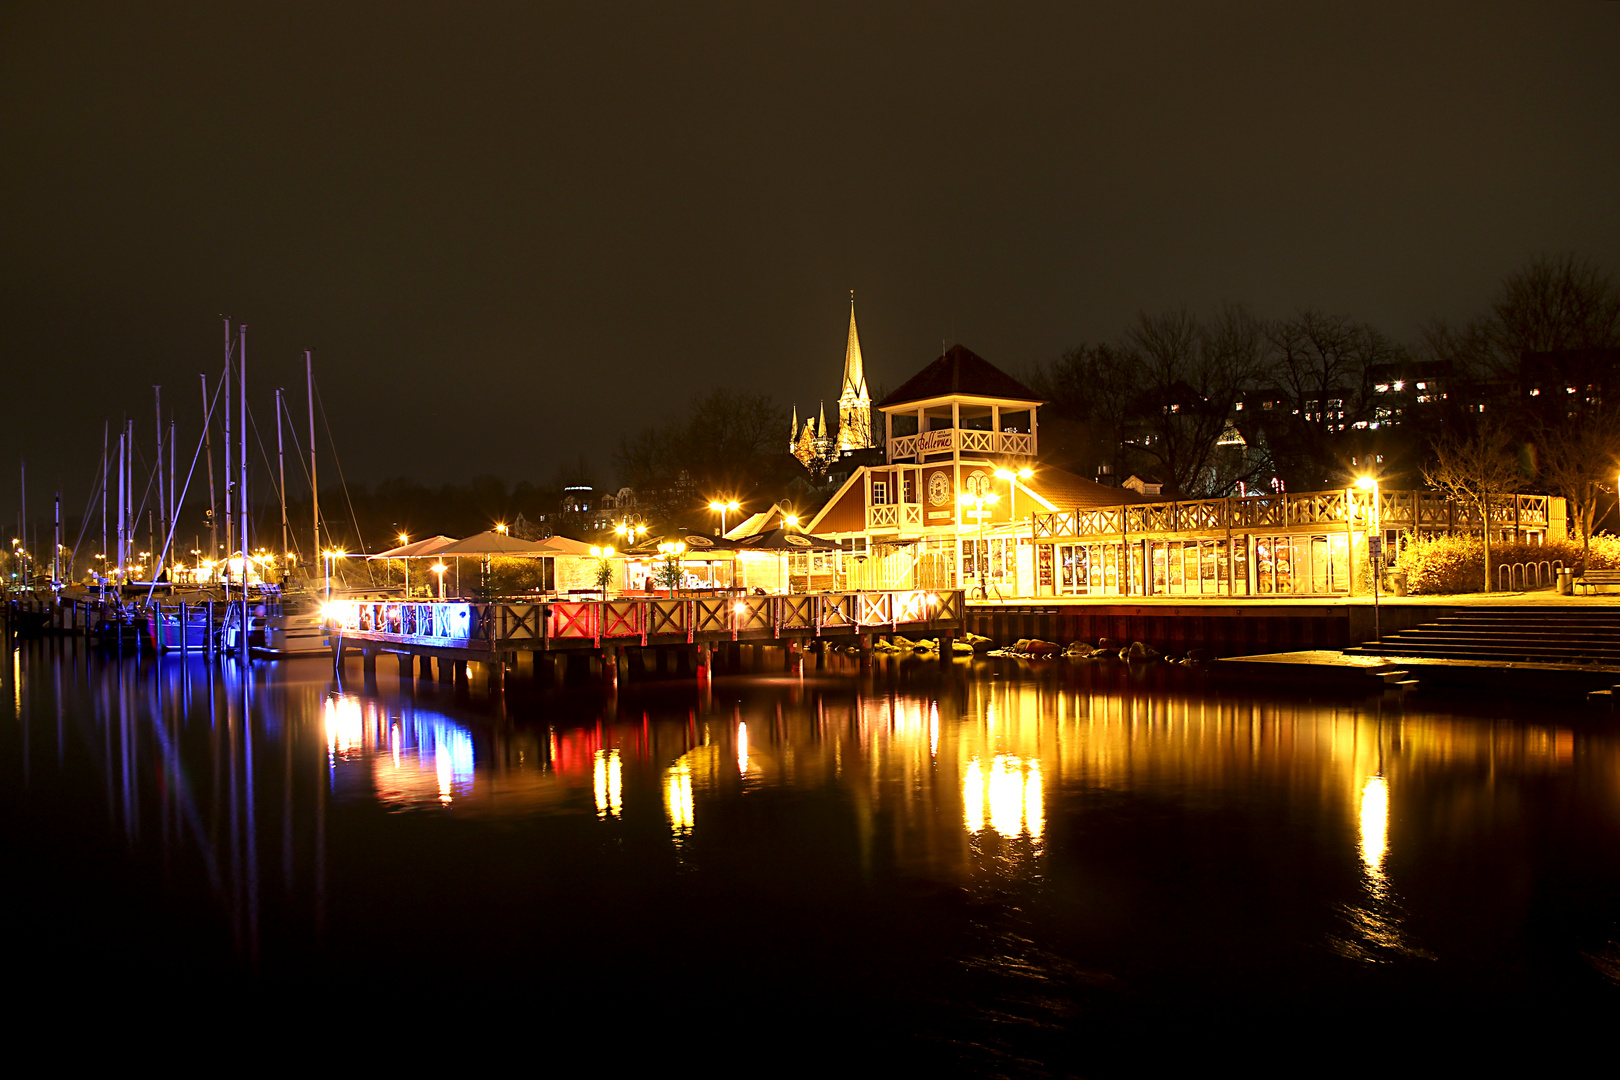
{"x":1219,"y":629}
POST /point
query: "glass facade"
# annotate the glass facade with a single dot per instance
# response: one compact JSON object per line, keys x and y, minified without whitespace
{"x":1244,"y":566}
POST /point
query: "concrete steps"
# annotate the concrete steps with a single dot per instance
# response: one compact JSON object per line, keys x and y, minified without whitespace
{"x":1511,"y":634}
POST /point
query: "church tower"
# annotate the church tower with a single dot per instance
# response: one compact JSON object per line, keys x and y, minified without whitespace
{"x":854,"y":404}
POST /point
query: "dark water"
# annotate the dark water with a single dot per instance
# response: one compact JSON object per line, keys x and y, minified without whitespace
{"x":1002,"y":870}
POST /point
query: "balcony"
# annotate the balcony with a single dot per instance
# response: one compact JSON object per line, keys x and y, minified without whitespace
{"x":894,"y":516}
{"x":967,"y":440}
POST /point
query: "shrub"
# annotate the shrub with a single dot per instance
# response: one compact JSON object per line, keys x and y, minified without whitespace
{"x":1456,"y":564}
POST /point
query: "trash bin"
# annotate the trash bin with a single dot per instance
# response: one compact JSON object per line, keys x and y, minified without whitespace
{"x":1566,"y":580}
{"x":1397,"y":582}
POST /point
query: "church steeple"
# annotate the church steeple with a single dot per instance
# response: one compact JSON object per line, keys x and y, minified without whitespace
{"x":854,"y":370}
{"x":854,"y":403}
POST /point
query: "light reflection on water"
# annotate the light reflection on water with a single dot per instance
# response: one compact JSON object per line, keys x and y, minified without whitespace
{"x":1123,"y":812}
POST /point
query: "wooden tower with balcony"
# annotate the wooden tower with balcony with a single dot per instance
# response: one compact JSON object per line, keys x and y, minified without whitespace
{"x":948,"y":432}
{"x":950,"y":428}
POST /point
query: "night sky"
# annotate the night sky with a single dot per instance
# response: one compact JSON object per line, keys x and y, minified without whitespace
{"x":512,"y":233}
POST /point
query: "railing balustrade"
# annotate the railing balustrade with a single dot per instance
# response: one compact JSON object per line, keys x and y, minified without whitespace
{"x":482,"y":625}
{"x":1424,"y":510}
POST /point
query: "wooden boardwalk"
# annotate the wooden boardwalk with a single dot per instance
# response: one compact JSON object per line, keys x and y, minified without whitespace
{"x":497,"y":633}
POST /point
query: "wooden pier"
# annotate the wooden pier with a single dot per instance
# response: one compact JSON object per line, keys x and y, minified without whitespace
{"x":681,"y":632}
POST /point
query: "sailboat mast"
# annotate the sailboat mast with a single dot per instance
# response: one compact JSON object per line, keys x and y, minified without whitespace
{"x":22,"y":518}
{"x":314,"y":487}
{"x":162,"y":503}
{"x":281,"y":469}
{"x":230,"y":530}
{"x":122,"y":495}
{"x":242,"y":419}
{"x":213,"y":501}
{"x":56,"y":544}
{"x":129,"y":491}
{"x":106,"y":429}
{"x":174,"y":492}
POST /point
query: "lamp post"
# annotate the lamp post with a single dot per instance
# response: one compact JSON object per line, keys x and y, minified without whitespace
{"x":978,"y":506}
{"x":332,"y":554}
{"x":723,"y":508}
{"x":1375,"y":548}
{"x":1012,"y":476}
{"x":439,"y":568}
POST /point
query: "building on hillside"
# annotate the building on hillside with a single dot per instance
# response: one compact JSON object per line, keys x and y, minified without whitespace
{"x":814,"y":445}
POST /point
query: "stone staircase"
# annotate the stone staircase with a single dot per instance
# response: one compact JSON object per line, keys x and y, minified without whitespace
{"x":1547,"y":635}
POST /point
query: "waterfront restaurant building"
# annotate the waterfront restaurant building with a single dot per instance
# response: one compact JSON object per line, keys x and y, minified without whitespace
{"x":962,"y":430}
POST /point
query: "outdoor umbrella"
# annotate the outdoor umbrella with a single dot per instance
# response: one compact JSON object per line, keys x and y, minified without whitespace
{"x":419,"y":549}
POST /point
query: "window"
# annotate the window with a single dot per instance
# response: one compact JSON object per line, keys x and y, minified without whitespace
{"x":880,"y":492}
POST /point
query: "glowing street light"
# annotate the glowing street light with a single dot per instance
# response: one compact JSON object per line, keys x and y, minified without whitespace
{"x":500,"y":527}
{"x":439,"y":568}
{"x":331,"y":555}
{"x":1375,"y":544}
{"x":1012,"y":476}
{"x":978,"y":506}
{"x":632,"y":533}
{"x":722,"y":508}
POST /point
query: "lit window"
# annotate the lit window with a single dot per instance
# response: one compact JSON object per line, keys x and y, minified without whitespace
{"x":1422,"y":386}
{"x":1382,"y":388}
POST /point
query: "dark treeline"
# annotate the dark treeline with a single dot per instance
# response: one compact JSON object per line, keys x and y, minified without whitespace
{"x":729,"y":445}
{"x":1213,"y":404}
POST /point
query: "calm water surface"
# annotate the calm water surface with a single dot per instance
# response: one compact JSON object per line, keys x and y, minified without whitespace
{"x":1006,"y":869}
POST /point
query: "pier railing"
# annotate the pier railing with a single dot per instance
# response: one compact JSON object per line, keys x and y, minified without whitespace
{"x":1419,"y":510}
{"x":569,"y":623}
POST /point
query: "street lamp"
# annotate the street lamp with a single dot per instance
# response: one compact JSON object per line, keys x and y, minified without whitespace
{"x":439,"y":568}
{"x":1012,"y":476}
{"x":1375,"y":547}
{"x":722,"y":508}
{"x":978,"y":506}
{"x":500,"y":527}
{"x":604,"y":568}
{"x":331,"y":554}
{"x":631,"y":533}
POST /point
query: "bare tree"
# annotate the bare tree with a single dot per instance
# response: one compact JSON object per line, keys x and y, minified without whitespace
{"x":1577,"y":460}
{"x":1187,"y":376}
{"x":1555,"y":303}
{"x":1323,"y":364}
{"x":1473,"y":469}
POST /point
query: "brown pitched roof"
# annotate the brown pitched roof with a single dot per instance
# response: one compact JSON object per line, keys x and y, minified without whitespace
{"x":1069,"y":491}
{"x":960,"y":371}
